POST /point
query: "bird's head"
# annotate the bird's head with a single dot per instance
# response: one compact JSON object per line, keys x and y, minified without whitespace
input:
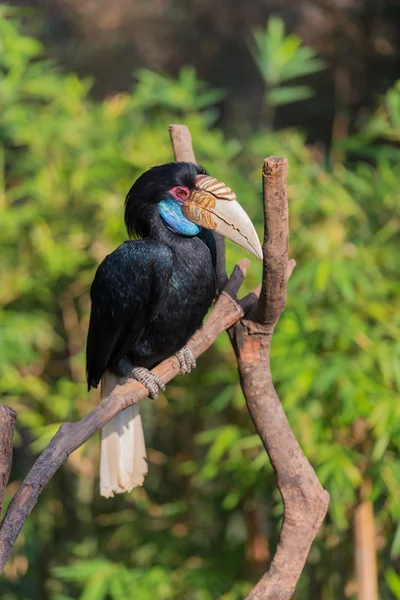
{"x":183,"y":198}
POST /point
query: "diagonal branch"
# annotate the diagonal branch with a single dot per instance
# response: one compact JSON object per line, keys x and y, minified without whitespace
{"x":305,"y":501}
{"x":71,"y":436}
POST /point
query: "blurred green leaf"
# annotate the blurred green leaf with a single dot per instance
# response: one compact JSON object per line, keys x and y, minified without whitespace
{"x":281,"y":58}
{"x":287,"y":95}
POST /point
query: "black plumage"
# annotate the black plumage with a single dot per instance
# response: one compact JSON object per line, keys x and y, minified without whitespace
{"x":151,"y":294}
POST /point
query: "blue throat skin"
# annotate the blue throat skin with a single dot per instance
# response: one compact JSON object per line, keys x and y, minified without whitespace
{"x":172,"y":215}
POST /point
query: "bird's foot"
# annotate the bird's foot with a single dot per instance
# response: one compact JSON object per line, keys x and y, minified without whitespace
{"x":151,"y":381}
{"x":186,"y":359}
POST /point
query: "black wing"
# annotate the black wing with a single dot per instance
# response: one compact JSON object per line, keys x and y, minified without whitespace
{"x":129,"y":289}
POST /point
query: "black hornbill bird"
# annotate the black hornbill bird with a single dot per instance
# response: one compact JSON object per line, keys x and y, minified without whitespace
{"x":152,"y":293}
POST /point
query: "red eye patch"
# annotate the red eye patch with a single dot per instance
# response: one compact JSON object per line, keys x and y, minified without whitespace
{"x":180,"y":192}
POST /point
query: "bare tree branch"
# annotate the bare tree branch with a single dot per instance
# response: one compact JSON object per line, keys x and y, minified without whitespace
{"x":182,"y":143}
{"x":275,"y":247}
{"x":71,"y":436}
{"x":305,"y":501}
{"x":7,"y":424}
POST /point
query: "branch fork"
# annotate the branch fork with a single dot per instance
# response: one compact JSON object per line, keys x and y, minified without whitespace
{"x":305,"y":501}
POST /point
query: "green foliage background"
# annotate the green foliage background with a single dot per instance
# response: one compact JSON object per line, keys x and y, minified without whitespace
{"x":66,"y":163}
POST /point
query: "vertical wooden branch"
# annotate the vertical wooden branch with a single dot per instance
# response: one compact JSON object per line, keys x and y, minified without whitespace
{"x":7,"y":424}
{"x":305,"y":501}
{"x":182,"y":143}
{"x":275,"y":247}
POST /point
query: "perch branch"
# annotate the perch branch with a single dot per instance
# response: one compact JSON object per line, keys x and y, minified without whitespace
{"x":7,"y":424}
{"x":71,"y":436}
{"x":305,"y":501}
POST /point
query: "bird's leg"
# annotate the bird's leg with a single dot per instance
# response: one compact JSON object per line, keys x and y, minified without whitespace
{"x":150,"y":380}
{"x":186,"y":359}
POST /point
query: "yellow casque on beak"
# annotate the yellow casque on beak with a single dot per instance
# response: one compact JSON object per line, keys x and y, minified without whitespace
{"x":213,"y":205}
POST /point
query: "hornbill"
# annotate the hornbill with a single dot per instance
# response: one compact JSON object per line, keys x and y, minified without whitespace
{"x":151,"y":294}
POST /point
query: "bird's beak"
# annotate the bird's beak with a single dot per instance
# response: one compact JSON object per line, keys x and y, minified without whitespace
{"x":213,"y":205}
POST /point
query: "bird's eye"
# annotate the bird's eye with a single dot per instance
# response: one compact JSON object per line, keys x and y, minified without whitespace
{"x":181,"y":193}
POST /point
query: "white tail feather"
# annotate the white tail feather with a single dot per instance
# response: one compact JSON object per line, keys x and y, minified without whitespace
{"x":123,"y":463}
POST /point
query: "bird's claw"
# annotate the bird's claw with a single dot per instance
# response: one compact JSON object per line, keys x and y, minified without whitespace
{"x":150,"y":380}
{"x":186,"y":359}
